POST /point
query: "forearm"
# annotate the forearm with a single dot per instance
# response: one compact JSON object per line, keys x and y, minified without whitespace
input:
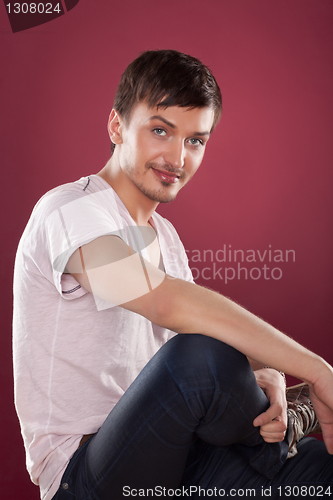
{"x":255,"y":365}
{"x":110,"y":270}
{"x":188,"y":308}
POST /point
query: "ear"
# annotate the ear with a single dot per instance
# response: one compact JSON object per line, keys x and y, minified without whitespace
{"x":114,"y":127}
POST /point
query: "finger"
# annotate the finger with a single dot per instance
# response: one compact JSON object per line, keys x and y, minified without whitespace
{"x":274,"y":411}
{"x":274,"y":427}
{"x":273,"y":438}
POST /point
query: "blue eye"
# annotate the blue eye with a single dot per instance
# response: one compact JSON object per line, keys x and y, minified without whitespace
{"x":159,"y":131}
{"x":196,"y":142}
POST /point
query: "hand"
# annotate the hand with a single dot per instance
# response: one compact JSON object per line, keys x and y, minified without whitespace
{"x":273,"y":422}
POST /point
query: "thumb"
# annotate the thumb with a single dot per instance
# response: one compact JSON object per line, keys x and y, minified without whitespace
{"x":273,"y":412}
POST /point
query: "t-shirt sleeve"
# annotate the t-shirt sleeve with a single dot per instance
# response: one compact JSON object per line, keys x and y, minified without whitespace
{"x":72,"y":225}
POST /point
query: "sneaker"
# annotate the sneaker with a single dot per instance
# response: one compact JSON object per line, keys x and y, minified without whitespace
{"x":302,"y":419}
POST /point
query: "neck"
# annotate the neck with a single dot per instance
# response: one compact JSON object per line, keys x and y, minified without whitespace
{"x":139,"y":206}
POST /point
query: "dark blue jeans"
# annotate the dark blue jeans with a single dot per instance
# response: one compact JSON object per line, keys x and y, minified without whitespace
{"x":184,"y":428}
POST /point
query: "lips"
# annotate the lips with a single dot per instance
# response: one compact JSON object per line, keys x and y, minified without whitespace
{"x":168,"y":177}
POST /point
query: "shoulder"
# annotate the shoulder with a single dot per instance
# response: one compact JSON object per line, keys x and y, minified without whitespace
{"x":77,"y":198}
{"x":60,"y":196}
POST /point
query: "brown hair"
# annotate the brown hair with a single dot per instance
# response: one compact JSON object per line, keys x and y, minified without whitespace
{"x":167,"y":78}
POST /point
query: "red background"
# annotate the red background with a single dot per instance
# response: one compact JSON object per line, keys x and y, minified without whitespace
{"x":267,"y":175}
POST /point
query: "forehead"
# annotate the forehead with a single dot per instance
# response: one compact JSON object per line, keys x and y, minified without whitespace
{"x":184,"y":119}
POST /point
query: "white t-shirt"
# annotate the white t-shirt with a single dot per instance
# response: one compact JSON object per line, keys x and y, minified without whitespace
{"x":73,"y":358}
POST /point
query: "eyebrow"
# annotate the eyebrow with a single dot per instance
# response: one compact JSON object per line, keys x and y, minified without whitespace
{"x":171,"y":125}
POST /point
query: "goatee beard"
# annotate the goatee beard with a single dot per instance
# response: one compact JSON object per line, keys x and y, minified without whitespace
{"x":156,"y":195}
{"x":161,"y":196}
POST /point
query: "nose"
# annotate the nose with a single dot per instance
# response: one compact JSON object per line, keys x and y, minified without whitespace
{"x":175,"y":155}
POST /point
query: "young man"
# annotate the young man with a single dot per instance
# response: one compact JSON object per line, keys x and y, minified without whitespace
{"x":112,"y":403}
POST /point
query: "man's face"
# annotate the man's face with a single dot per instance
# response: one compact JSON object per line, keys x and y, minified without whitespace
{"x":161,"y":149}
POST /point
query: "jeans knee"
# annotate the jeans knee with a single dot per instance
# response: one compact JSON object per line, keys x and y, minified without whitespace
{"x":201,"y":357}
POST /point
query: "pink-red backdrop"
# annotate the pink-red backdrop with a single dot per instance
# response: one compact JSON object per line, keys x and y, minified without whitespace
{"x":266,"y":180}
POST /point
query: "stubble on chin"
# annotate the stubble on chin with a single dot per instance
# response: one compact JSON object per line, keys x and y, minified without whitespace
{"x":162,"y":195}
{"x":158,"y":195}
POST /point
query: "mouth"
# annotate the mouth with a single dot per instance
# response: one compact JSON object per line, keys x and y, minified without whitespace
{"x":165,"y":176}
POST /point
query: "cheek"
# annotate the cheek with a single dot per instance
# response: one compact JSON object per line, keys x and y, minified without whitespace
{"x":131,"y":152}
{"x":146,"y":148}
{"x":128,"y":158}
{"x":195,"y":163}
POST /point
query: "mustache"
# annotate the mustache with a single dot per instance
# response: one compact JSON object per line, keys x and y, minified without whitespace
{"x":166,"y":168}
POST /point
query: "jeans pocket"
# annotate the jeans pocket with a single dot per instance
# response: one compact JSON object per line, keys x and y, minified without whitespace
{"x":71,"y":482}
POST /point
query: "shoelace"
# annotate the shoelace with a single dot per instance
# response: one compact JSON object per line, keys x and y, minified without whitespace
{"x":302,"y":421}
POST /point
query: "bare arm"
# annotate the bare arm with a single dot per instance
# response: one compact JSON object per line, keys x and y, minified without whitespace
{"x":109,"y":269}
